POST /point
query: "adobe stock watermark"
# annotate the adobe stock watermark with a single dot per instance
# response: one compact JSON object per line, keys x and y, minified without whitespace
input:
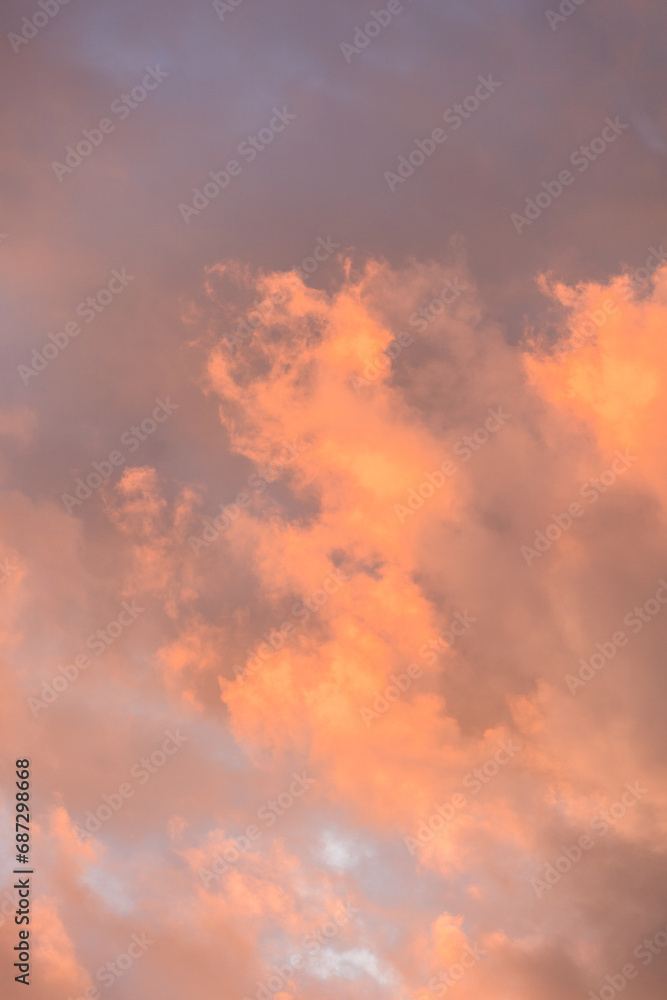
{"x":470,"y":956}
{"x":88,"y":311}
{"x":222,"y":7}
{"x":475,"y":780}
{"x":454,"y":116}
{"x":122,"y":107}
{"x":449,"y":293}
{"x":263,"y":309}
{"x":430,"y":651}
{"x":8,"y":907}
{"x":362,"y":37}
{"x":420,"y":319}
{"x":269,"y":812}
{"x":595,"y":319}
{"x":31,"y":26}
{"x":108,"y":973}
{"x":257,"y":483}
{"x":97,"y":642}
{"x":592,"y":321}
{"x":464,"y":449}
{"x":311,"y":943}
{"x":383,"y":701}
{"x":142,"y":771}
{"x":132,"y":440}
{"x":600,"y":824}
{"x":639,"y":278}
{"x":302,"y":611}
{"x":647,"y":950}
{"x":591,"y":492}
{"x":606,"y":651}
{"x":249,"y":149}
{"x":581,"y":158}
{"x":566,"y":9}
{"x":7,"y":567}
{"x":381,"y":362}
{"x":459,"y":625}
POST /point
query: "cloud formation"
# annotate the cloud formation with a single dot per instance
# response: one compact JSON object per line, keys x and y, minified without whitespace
{"x":332,"y":546}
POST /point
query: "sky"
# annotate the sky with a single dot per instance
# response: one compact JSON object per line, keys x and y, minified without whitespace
{"x":333,"y":550}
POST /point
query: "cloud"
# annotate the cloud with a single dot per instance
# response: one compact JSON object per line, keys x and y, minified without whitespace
{"x":365,"y":456}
